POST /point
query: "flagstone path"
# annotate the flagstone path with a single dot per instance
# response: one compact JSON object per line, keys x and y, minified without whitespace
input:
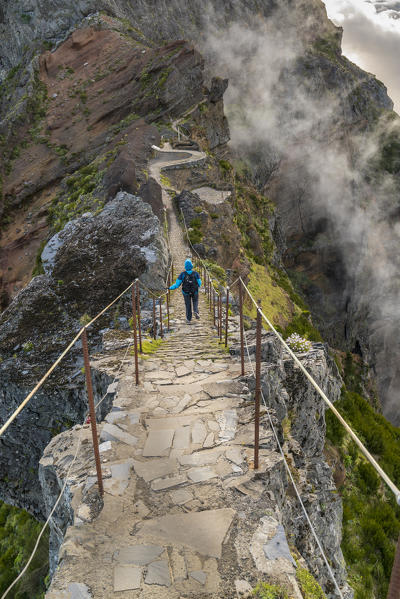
{"x":185,"y":515}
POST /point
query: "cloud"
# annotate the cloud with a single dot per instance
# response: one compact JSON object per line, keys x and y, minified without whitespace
{"x":292,"y":125}
{"x":371,"y":38}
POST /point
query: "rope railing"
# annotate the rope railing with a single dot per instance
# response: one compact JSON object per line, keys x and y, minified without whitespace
{"x":61,"y":494}
{"x":290,"y":475}
{"x":355,"y":438}
{"x":394,"y":586}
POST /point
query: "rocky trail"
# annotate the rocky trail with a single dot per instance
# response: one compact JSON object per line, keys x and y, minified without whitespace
{"x":184,"y":513}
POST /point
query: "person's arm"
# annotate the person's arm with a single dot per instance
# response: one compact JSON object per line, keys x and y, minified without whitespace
{"x":177,"y":283}
{"x":198,"y":279}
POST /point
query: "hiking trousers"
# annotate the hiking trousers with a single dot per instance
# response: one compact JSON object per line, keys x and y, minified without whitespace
{"x":189,"y":300}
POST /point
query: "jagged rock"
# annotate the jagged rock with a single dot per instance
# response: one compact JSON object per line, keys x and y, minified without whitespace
{"x":111,"y":249}
{"x":217,"y":89}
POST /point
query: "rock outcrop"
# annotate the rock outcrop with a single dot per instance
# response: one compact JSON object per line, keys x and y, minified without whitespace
{"x":97,"y":258}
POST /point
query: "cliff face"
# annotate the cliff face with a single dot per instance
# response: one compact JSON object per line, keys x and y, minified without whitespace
{"x":78,"y":206}
{"x":317,"y":132}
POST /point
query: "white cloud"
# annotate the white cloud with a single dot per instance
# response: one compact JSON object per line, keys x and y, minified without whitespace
{"x":371,"y":38}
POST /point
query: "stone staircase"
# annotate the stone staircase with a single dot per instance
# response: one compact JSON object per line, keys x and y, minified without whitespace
{"x":185,"y":515}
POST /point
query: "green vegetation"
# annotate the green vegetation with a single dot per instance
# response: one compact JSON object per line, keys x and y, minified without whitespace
{"x":28,"y":346}
{"x":225,"y":166}
{"x":371,"y":518}
{"x":149,"y":346}
{"x":252,"y":212}
{"x":79,"y":198}
{"x":164,"y":180}
{"x":125,"y":123}
{"x":18,"y":534}
{"x":308,"y":585}
{"x":26,"y":18}
{"x":390,"y":157}
{"x":274,"y":301}
{"x":195,"y":233}
{"x":85,"y":319}
{"x":217,"y":272}
{"x":269,"y":591}
{"x":38,"y":268}
{"x":302,"y":325}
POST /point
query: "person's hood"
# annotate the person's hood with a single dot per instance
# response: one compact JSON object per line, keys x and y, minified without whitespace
{"x":188,"y":266}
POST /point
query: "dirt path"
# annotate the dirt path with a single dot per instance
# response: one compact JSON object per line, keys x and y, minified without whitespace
{"x":184,"y":514}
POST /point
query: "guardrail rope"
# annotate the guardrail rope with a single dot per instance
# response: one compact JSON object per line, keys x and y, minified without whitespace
{"x":290,"y":473}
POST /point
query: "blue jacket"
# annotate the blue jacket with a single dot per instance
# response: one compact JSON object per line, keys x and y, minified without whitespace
{"x":188,"y":270}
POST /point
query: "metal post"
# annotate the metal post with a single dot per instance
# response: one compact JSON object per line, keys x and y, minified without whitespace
{"x":220,"y":317}
{"x":154,"y":319}
{"x":214,"y":305}
{"x":161,"y":323}
{"x":172,"y":272}
{"x":134,"y":321}
{"x":241,"y":325}
{"x":394,"y":586}
{"x":168,"y":310}
{"x":226,"y":317}
{"x":258,"y":388}
{"x":92,"y":411}
{"x":217,"y":300}
{"x":138,"y":315}
{"x":209,"y":295}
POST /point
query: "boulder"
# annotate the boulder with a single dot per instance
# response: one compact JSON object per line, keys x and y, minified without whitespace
{"x":95,"y":257}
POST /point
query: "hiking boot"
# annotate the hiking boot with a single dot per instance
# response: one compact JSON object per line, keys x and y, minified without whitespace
{"x":188,"y":322}
{"x":197,"y":315}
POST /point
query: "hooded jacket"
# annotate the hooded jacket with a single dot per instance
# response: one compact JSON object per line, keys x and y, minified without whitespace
{"x":188,"y":270}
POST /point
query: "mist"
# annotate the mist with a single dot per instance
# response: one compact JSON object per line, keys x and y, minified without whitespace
{"x":309,"y":138}
{"x":371,"y":38}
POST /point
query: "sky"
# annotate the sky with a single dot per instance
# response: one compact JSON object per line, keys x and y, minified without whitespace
{"x":371,"y":38}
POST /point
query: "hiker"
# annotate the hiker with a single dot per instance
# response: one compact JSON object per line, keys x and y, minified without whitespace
{"x":190,"y":281}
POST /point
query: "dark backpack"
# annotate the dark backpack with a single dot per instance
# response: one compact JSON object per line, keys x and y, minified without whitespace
{"x":189,"y":283}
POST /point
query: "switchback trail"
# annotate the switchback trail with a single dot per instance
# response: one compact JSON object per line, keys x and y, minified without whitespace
{"x":185,"y":515}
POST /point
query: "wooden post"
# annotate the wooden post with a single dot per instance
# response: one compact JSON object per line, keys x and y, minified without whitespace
{"x":241,"y":325}
{"x":134,"y":325}
{"x":138,"y":315}
{"x":227,"y":317}
{"x":154,"y":319}
{"x":394,"y":585}
{"x":258,"y":388}
{"x":92,"y":411}
{"x":161,"y":322}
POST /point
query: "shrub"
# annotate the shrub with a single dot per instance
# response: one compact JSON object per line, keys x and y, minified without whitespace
{"x":308,"y":585}
{"x":269,"y":591}
{"x":298,"y":344}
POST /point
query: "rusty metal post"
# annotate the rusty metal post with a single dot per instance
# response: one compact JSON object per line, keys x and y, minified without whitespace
{"x":168,"y":311}
{"x":227,"y":317}
{"x":394,"y":586}
{"x":154,"y":319}
{"x":138,"y":315}
{"x":134,"y":325}
{"x":172,"y":272}
{"x":214,"y":304}
{"x":92,"y":411}
{"x":241,"y":325}
{"x":217,"y":301}
{"x":210,"y":296}
{"x":161,"y":322}
{"x":220,"y":317}
{"x":258,"y":388}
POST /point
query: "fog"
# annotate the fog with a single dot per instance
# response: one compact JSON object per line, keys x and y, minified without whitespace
{"x":371,"y":38}
{"x":294,"y":120}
